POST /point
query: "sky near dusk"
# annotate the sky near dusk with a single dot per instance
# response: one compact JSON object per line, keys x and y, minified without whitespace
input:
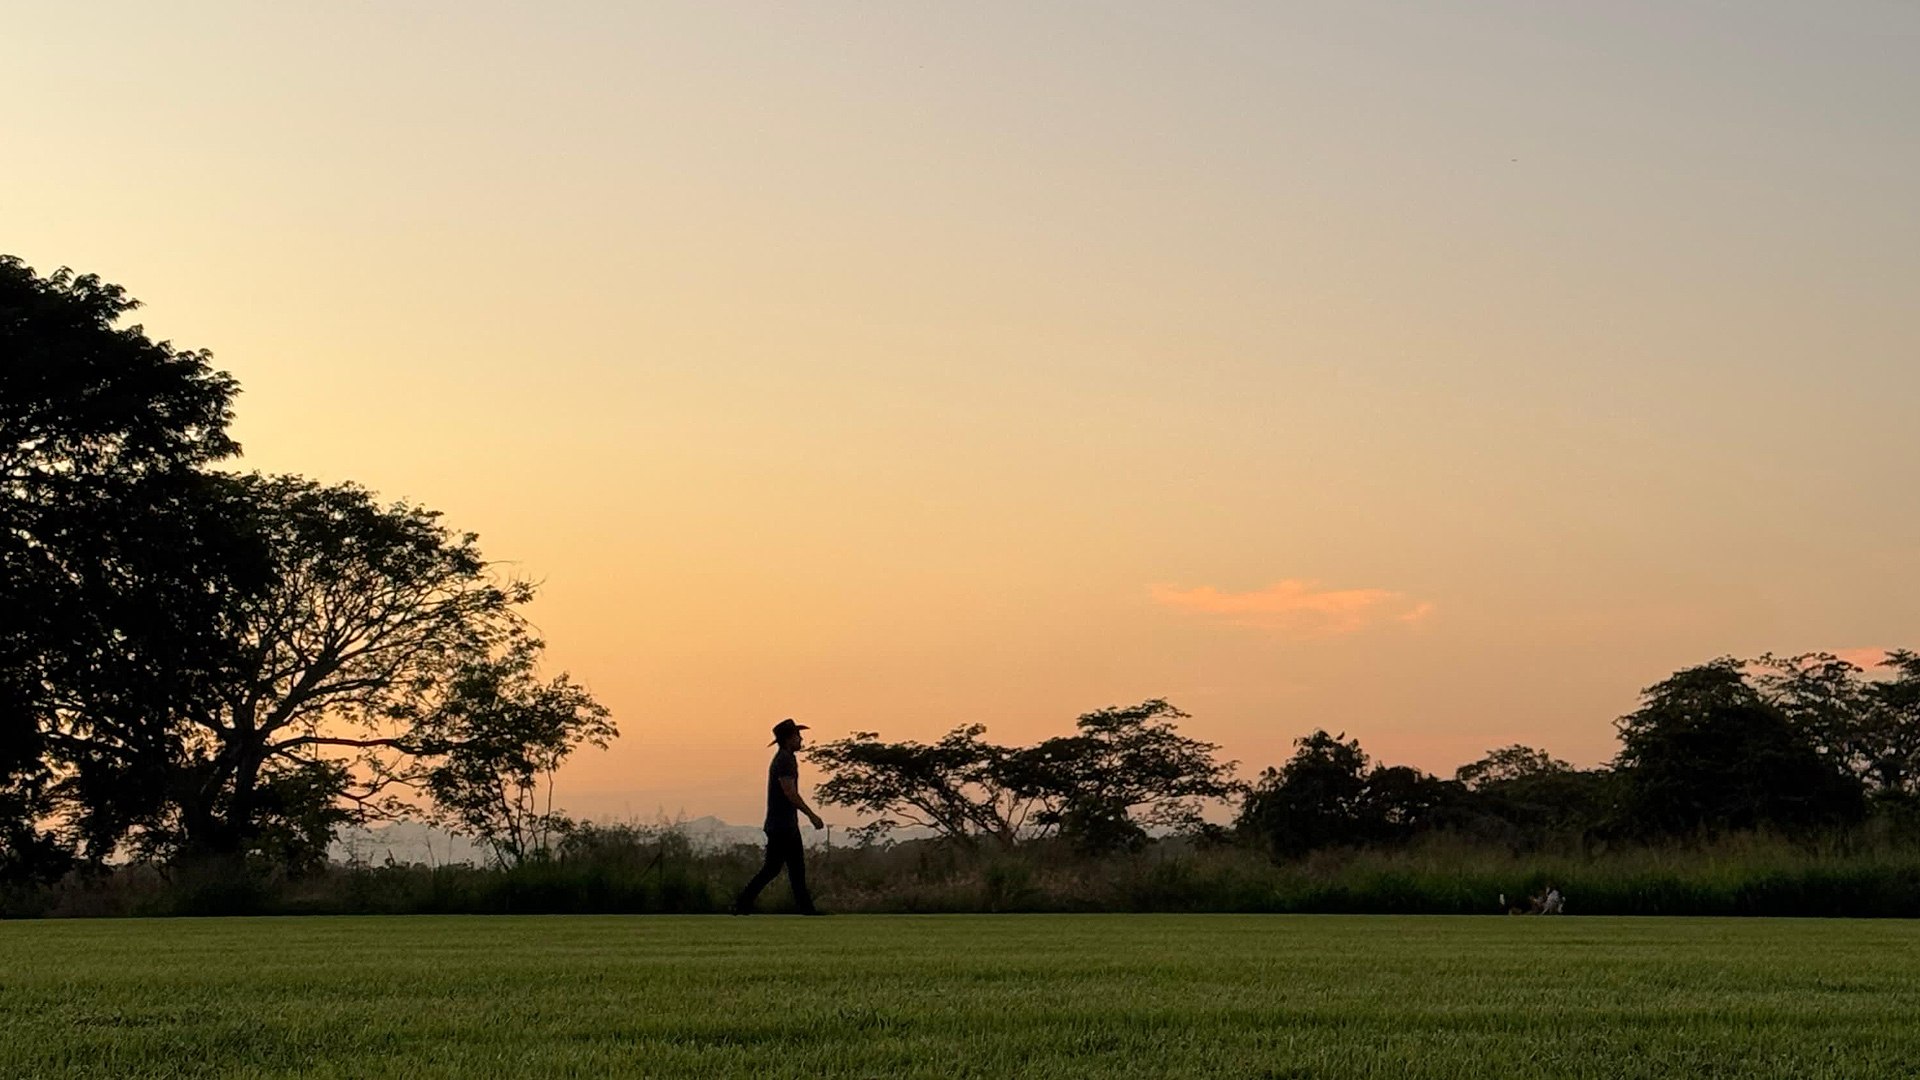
{"x":1437,"y":373}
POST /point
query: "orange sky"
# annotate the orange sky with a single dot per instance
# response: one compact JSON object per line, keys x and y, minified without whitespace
{"x":1441,"y":379}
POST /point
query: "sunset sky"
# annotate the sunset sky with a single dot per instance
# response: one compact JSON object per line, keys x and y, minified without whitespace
{"x":1439,"y":378}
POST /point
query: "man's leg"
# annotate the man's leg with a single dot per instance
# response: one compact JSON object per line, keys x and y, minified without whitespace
{"x":796,"y":855}
{"x":776,"y":854}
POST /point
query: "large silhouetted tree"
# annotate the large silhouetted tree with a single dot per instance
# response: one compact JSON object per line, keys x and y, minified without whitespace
{"x":383,"y":647}
{"x":82,"y":398}
{"x":199,"y":664}
{"x":111,"y":559}
{"x":377,"y":659}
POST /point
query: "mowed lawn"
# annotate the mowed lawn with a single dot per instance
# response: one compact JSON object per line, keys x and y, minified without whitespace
{"x":960,"y":996}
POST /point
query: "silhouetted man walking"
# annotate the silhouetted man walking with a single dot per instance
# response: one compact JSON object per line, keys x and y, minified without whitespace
{"x":784,"y":807}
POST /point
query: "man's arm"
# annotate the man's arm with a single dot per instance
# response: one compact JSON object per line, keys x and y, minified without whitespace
{"x":791,"y":786}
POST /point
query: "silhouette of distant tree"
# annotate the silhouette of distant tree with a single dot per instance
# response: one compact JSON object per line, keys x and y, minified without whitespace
{"x":1868,"y":726}
{"x":1508,"y":765}
{"x":500,"y":735}
{"x":1706,"y":751}
{"x":1894,"y":746}
{"x":1523,"y":797}
{"x":1126,"y":770}
{"x":957,"y":787}
{"x":1828,"y":700}
{"x":109,"y":561}
{"x":1330,"y":794}
{"x":1401,"y":802}
{"x":1315,"y":800}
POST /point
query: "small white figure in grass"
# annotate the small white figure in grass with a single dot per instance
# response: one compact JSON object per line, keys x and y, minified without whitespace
{"x":1554,"y":903}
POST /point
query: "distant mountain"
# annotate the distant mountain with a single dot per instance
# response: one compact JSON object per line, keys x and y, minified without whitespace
{"x":405,"y":842}
{"x":710,"y":833}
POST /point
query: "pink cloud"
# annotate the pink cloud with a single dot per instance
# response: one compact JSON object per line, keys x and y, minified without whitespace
{"x":1297,"y":608}
{"x":1866,"y":658}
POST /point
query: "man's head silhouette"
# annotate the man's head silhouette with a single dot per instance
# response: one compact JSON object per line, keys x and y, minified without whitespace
{"x":787,"y":734}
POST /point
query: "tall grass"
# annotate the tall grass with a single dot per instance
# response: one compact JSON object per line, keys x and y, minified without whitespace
{"x":638,"y":869}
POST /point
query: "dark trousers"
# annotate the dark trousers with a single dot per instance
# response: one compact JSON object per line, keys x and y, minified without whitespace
{"x":783,"y":849}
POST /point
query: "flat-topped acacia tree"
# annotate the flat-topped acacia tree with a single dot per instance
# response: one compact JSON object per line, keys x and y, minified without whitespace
{"x":1124,"y":770}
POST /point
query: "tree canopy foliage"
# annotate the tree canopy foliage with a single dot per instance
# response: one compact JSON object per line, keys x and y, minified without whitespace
{"x":1708,"y":750}
{"x":1869,"y":727}
{"x":1124,"y":771}
{"x":1329,"y":794}
{"x":197,"y":663}
{"x":958,"y":787}
{"x":112,"y":558}
{"x":495,"y":739}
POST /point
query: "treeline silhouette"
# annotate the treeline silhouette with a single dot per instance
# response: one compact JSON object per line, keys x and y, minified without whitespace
{"x":1800,"y":746}
{"x":205,"y":674}
{"x":1804,"y":746}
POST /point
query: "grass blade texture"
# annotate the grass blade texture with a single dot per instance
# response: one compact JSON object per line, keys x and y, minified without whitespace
{"x":1059,"y":996}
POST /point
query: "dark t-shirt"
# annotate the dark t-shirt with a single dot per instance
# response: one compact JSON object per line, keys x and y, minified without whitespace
{"x":781,"y":813}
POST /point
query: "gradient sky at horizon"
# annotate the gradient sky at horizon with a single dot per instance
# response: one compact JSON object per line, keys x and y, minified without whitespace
{"x":1439,"y":378}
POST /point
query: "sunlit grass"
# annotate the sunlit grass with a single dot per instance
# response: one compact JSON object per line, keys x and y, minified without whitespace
{"x":1058,"y":996}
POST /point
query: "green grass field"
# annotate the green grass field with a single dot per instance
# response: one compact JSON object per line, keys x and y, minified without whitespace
{"x":950,"y":996}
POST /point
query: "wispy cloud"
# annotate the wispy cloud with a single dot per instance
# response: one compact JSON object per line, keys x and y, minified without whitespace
{"x":1297,"y":608}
